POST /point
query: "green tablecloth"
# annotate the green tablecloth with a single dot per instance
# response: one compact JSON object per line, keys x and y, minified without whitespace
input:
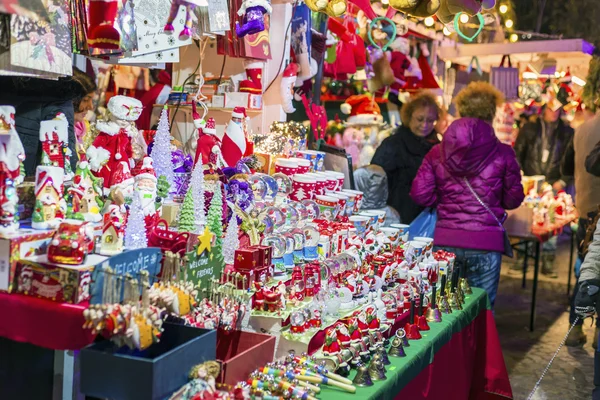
{"x":420,"y":353}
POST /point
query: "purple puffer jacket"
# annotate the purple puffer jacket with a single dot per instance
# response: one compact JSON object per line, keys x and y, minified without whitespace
{"x":469,"y":149}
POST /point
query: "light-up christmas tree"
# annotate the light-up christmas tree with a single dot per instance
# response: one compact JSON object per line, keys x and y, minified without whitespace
{"x":231,"y":242}
{"x":161,"y":149}
{"x":215,"y":213}
{"x":187,"y":220}
{"x":197,"y":188}
{"x":135,"y":231}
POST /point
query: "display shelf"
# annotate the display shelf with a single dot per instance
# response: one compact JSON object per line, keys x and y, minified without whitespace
{"x":222,"y":109}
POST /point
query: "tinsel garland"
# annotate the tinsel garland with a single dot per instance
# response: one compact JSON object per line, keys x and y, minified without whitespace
{"x":283,"y":138}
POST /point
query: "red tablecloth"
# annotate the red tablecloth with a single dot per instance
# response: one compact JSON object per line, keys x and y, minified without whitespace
{"x":43,"y":323}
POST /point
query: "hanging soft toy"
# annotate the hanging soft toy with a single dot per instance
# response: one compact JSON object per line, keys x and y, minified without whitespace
{"x":253,"y":13}
{"x":101,"y":32}
{"x":352,"y":141}
{"x":381,"y":33}
{"x":290,"y":74}
{"x":186,"y":32}
{"x":417,"y":8}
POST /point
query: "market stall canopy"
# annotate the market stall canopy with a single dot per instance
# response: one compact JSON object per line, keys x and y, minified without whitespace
{"x":570,"y":53}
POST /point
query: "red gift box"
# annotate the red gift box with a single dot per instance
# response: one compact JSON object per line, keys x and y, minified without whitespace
{"x":246,"y":259}
{"x":264,"y":255}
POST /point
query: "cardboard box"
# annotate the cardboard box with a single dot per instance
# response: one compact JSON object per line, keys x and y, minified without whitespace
{"x":108,"y":371}
{"x":241,"y":353}
{"x":246,"y":100}
{"x":36,"y":276}
{"x":218,"y":101}
{"x":15,"y":246}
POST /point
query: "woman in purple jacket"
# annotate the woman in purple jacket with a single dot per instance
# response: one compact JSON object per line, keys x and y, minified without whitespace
{"x":470,"y":154}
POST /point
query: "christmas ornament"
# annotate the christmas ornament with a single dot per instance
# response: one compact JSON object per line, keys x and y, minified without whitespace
{"x":253,"y":13}
{"x":417,"y":8}
{"x":12,"y":155}
{"x":208,"y":148}
{"x":101,"y":33}
{"x":146,"y":189}
{"x":477,"y":32}
{"x":54,"y":139}
{"x":111,"y":152}
{"x":136,"y":236}
{"x":50,"y":206}
{"x":161,"y":149}
{"x":86,"y":194}
{"x":71,"y":243}
{"x":253,"y":82}
{"x":113,"y":226}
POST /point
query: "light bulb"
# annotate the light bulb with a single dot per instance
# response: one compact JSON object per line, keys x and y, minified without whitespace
{"x":429,"y":21}
{"x":514,"y":37}
{"x":509,"y":23}
{"x":464,"y":18}
{"x":503,"y":9}
{"x":447,"y":31}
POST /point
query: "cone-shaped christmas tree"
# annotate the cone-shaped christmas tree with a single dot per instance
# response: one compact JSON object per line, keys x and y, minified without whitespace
{"x":231,"y":242}
{"x":197,"y":188}
{"x":161,"y":149}
{"x":135,"y":231}
{"x":215,"y":213}
{"x":187,"y":220}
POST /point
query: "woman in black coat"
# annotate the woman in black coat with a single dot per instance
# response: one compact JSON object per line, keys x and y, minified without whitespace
{"x":401,"y":154}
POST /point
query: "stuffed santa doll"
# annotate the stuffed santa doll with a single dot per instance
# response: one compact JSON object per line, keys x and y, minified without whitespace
{"x":208,"y":147}
{"x":145,"y":187}
{"x":112,"y":146}
{"x":234,"y":140}
{"x":362,"y":110}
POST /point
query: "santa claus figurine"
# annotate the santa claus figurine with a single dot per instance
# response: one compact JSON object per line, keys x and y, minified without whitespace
{"x":12,"y":155}
{"x":208,"y":148}
{"x":112,"y":146}
{"x":146,"y":188}
{"x":234,"y":140}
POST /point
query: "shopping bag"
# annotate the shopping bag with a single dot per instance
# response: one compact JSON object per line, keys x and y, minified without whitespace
{"x":423,"y":225}
{"x":506,"y":79}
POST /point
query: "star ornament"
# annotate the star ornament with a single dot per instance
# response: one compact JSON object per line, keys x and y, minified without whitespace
{"x":205,"y":241}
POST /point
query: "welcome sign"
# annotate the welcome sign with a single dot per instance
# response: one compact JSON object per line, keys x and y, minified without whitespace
{"x":130,"y":262}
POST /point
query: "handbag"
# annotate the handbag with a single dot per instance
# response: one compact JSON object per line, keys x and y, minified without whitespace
{"x":508,"y":251}
{"x":424,"y":224}
{"x":506,"y":79}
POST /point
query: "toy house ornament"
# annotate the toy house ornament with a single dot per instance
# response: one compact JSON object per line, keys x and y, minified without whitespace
{"x":113,"y":226}
{"x":110,"y":155}
{"x":50,"y":206}
{"x":86,"y":194}
{"x":12,"y":155}
{"x":54,"y":140}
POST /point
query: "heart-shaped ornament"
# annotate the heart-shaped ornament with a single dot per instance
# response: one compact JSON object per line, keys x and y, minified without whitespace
{"x":461,"y":34}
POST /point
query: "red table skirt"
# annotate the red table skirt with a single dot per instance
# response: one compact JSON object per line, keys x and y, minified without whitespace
{"x":43,"y":323}
{"x":469,"y":366}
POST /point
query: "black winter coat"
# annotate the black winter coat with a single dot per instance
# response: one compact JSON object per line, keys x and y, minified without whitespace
{"x":400,"y":156}
{"x":529,"y":150}
{"x":592,"y":162}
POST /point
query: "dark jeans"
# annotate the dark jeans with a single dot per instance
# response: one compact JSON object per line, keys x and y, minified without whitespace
{"x":482,"y":269}
{"x":584,"y":223}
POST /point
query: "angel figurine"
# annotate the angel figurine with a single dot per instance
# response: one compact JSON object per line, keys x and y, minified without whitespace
{"x":252,"y":222}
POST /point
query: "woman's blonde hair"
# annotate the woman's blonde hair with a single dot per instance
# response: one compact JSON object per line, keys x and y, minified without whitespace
{"x":421,"y":100}
{"x":479,"y":100}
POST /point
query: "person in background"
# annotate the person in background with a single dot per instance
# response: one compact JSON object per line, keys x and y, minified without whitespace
{"x":401,"y":154}
{"x":373,"y":182}
{"x":472,"y":178}
{"x":82,"y":104}
{"x":540,"y":147}
{"x":158,"y":94}
{"x":586,"y":300}
{"x":587,"y":187}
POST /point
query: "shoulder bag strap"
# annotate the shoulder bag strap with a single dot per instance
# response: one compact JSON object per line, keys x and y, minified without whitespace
{"x":482,"y":203}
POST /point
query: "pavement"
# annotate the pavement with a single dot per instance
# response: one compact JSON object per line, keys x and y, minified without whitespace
{"x":527,"y":353}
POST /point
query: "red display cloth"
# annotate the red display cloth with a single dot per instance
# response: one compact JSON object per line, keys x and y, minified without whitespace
{"x":469,"y":366}
{"x":544,"y":234}
{"x":43,"y":323}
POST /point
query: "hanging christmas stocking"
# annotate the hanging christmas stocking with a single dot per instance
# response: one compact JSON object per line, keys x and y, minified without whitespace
{"x":253,"y":83}
{"x":253,"y":13}
{"x":101,"y":32}
{"x":287,"y":87}
{"x":301,"y":39}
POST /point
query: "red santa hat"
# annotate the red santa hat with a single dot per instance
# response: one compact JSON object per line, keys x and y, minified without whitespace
{"x":125,"y":108}
{"x":210,"y":127}
{"x":362,"y":110}
{"x":198,"y":121}
{"x":147,"y":170}
{"x":238,"y":112}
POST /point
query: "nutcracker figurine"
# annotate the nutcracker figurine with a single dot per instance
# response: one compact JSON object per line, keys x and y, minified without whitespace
{"x":12,"y":155}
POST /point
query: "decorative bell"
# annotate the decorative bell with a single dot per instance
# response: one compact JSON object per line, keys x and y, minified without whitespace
{"x":397,"y":349}
{"x":363,"y":377}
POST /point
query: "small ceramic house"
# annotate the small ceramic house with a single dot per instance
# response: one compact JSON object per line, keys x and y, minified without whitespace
{"x":50,"y":206}
{"x":54,"y":139}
